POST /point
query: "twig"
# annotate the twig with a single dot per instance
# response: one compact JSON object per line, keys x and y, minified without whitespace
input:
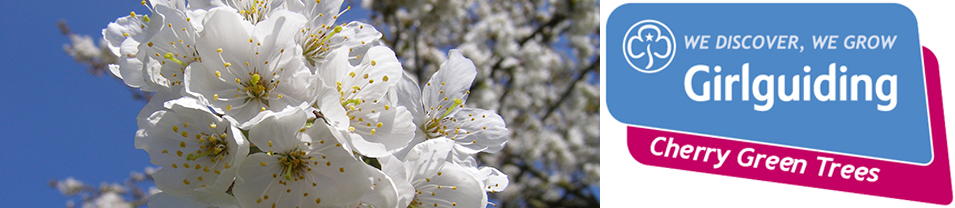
{"x":593,"y":67}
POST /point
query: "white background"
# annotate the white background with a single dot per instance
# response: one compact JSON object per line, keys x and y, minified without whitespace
{"x":627,"y":183}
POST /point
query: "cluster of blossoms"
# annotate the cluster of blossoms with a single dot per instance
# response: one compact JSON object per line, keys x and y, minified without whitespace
{"x":261,"y":103}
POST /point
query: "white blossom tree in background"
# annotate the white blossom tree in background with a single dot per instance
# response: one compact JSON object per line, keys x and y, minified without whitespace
{"x":536,"y":64}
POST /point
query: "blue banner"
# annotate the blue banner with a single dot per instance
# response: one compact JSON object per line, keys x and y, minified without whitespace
{"x":845,"y":78}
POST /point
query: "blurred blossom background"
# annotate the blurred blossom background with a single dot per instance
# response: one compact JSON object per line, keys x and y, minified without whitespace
{"x":71,"y":130}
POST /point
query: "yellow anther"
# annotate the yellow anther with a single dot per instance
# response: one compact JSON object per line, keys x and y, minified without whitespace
{"x":215,"y":97}
{"x":228,"y":64}
{"x":219,"y":50}
{"x":255,"y":77}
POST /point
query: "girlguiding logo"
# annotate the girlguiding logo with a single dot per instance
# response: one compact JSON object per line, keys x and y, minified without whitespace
{"x":644,"y":46}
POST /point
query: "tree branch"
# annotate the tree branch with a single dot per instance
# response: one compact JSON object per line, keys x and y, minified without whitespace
{"x":593,"y":67}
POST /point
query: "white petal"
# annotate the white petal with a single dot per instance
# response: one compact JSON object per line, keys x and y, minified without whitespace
{"x":170,"y":33}
{"x":335,"y":68}
{"x":276,"y":131}
{"x":396,"y":170}
{"x":175,"y":4}
{"x":419,"y":137}
{"x":383,"y":193}
{"x":278,"y":30}
{"x":408,"y":94}
{"x":114,"y":70}
{"x":476,"y":130}
{"x":395,"y":132}
{"x":203,"y":82}
{"x":372,"y":80}
{"x":451,"y":186}
{"x":496,"y":180}
{"x":220,"y":200}
{"x":156,"y":103}
{"x":225,"y":29}
{"x":424,"y":158}
{"x":451,"y":81}
{"x":129,"y":66}
{"x":204,"y":4}
{"x":327,"y":8}
{"x":127,"y":27}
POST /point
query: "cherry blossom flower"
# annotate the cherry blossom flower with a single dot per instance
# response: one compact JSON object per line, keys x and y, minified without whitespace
{"x":299,"y":166}
{"x":356,"y":108}
{"x":197,"y":150}
{"x":248,"y":69}
{"x":430,"y":177}
{"x":442,"y":112}
{"x":321,"y":35}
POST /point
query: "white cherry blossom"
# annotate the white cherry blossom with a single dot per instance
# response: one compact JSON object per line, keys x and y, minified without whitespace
{"x":430,"y":177}
{"x":356,"y":108}
{"x":197,"y":150}
{"x":442,"y":112}
{"x":321,"y":35}
{"x":123,"y":38}
{"x":248,"y":69}
{"x":299,"y":166}
{"x":168,"y":50}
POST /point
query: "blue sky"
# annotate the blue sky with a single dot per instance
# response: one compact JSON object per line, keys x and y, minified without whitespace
{"x":58,"y":120}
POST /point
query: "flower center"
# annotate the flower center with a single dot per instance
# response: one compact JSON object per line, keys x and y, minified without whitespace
{"x":433,"y":127}
{"x":294,"y":163}
{"x":257,"y":89}
{"x":213,"y":146}
{"x":316,"y":44}
{"x":256,"y":11}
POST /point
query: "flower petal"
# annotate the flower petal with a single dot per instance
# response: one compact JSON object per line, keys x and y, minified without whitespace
{"x":476,"y":130}
{"x":127,"y":27}
{"x":451,"y":186}
{"x":451,"y":81}
{"x":393,"y":133}
{"x":396,"y":170}
{"x":221,"y":200}
{"x":383,"y":192}
{"x":276,"y":131}
{"x":378,"y":72}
